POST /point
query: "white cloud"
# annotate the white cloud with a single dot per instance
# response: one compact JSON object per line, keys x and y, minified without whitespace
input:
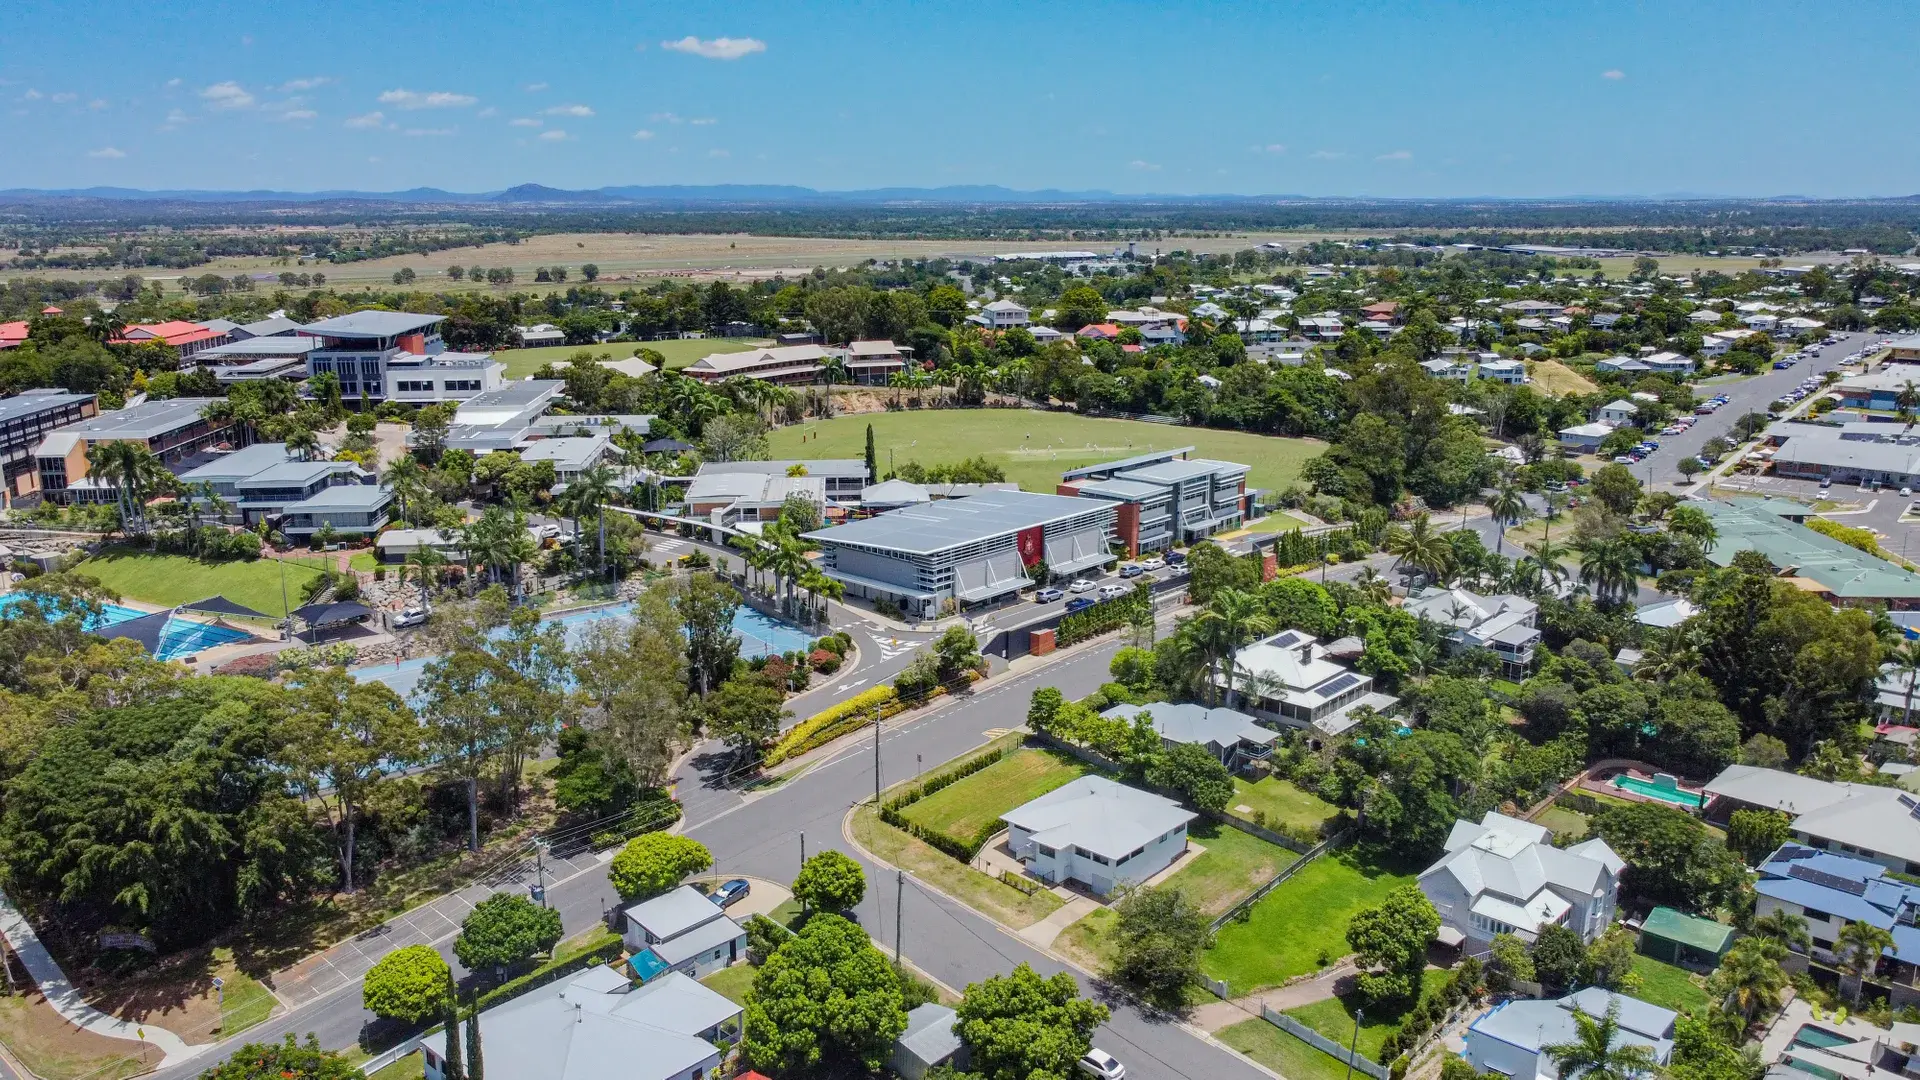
{"x":703,"y":121}
{"x":556,"y":135}
{"x":664,"y":118}
{"x":643,"y":134}
{"x":722,"y":48}
{"x":298,"y":114}
{"x":435,"y":99}
{"x":367,"y":120}
{"x":1327,"y":155}
{"x":418,"y":132}
{"x":1270,"y":148}
{"x":31,"y":95}
{"x":524,"y":121}
{"x":1615,"y":74}
{"x":1395,"y":155}
{"x":488,"y":113}
{"x":1142,"y":166}
{"x":65,"y":97}
{"x":175,"y":118}
{"x":97,"y":104}
{"x":108,"y":152}
{"x":535,"y":87}
{"x":226,"y":95}
{"x":570,"y":110}
{"x":718,"y":153}
{"x":171,"y":84}
{"x":296,"y":85}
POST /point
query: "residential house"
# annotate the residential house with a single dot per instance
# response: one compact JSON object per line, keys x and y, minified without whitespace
{"x":1586,"y":438}
{"x":1504,"y":876}
{"x":1502,"y":624}
{"x":1097,"y":834}
{"x":1797,"y":325}
{"x":1004,"y":315}
{"x":539,"y":335}
{"x":12,"y":334}
{"x":600,"y":1025}
{"x":927,"y":1043}
{"x":1289,"y":679}
{"x":1604,"y":320}
{"x":1510,"y":372}
{"x":872,"y":363}
{"x":1535,"y":309}
{"x":1386,"y":311}
{"x":681,"y":931}
{"x":1045,"y":335}
{"x":1232,"y":737}
{"x":1618,"y":411}
{"x":1879,"y":824}
{"x":1714,"y":346}
{"x":1665,"y":614}
{"x":1668,"y":363}
{"x":1829,"y":891}
{"x":1704,"y":317}
{"x":1325,"y":326}
{"x":1761,"y":322}
{"x":1512,"y":1040}
{"x":1879,"y":390}
{"x":1620,"y":365}
{"x":1098,"y":332}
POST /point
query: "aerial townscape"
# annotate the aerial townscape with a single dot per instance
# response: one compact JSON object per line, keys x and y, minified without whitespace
{"x":609,"y":551}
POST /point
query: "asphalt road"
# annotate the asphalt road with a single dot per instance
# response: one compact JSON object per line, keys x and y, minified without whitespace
{"x":1745,"y":396}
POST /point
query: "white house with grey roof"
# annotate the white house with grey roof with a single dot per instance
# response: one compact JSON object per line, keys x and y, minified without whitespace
{"x":1228,"y":734}
{"x":1290,"y":679}
{"x":1511,"y":1040}
{"x":1098,"y":834}
{"x":1002,"y":315}
{"x":1881,"y":824}
{"x":599,"y":1025}
{"x":681,"y":931}
{"x":974,"y":550}
{"x":1502,"y":624}
{"x":1504,"y":876}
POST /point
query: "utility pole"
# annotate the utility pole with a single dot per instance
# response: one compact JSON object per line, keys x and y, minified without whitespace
{"x":899,"y":895}
{"x":1358,"y":1015}
{"x":539,"y":872}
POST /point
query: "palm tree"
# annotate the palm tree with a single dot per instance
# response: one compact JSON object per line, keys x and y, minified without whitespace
{"x":1858,"y":947}
{"x":1554,"y":500}
{"x":753,"y":554}
{"x":589,"y":492}
{"x":1547,"y":555}
{"x":1231,"y":619}
{"x":1598,"y":1053}
{"x":1508,"y":507}
{"x":1609,"y":567}
{"x":899,"y":380}
{"x":833,"y":369}
{"x":405,"y":478}
{"x":1750,"y":979}
{"x":303,"y":442}
{"x":1372,"y":586}
{"x":133,"y":472}
{"x":816,"y":584}
{"x":1784,"y":927}
{"x":787,"y":559}
{"x":1418,"y":545}
{"x":425,"y":563}
{"x":1905,"y":660}
{"x":1668,"y":655}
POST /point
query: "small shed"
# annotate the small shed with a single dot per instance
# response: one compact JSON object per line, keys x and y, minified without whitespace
{"x":1688,"y":940}
{"x":929,"y":1041}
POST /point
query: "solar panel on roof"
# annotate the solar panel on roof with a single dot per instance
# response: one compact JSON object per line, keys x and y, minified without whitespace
{"x":1337,"y":685}
{"x":1831,"y":881}
{"x":1287,"y":640}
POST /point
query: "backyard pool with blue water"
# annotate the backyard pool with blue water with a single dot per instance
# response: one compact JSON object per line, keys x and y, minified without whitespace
{"x":760,"y":635}
{"x":179,"y":637}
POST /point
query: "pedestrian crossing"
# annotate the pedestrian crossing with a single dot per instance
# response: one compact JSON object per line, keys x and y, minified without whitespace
{"x":891,"y":647}
{"x":671,"y":544}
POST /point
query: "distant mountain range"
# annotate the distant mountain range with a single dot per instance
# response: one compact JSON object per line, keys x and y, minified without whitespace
{"x":632,"y":193}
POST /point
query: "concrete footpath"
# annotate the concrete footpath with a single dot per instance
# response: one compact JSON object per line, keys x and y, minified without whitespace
{"x":66,"y":1000}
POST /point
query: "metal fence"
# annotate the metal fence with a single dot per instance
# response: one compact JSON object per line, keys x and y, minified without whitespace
{"x":1323,"y":1044}
{"x":1280,"y":878}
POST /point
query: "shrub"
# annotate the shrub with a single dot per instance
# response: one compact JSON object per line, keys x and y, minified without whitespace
{"x":1103,"y":616}
{"x":259,"y":665}
{"x":340,"y":654}
{"x":652,"y":864}
{"x":824,"y":661}
{"x":409,"y":985}
{"x":832,"y":722}
{"x":830,"y":881}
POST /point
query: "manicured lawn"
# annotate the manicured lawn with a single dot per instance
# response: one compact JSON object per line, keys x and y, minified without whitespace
{"x":1668,"y":986}
{"x":731,"y":983}
{"x":1035,"y":447}
{"x":523,"y":362}
{"x":1281,"y":1052}
{"x":1300,"y":926}
{"x":1334,"y":1017}
{"x":364,"y":561}
{"x":1277,"y":522}
{"x":1565,"y":822}
{"x":989,"y":896}
{"x":963,"y":808}
{"x":1234,"y":864}
{"x":1282,"y":802}
{"x":169,"y":580}
{"x":411,"y":1067}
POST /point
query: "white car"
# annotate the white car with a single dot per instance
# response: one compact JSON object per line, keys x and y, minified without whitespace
{"x":1111,"y":592}
{"x":413,"y":616}
{"x":1080,"y":585}
{"x":1153,"y":563}
{"x":1102,"y":1066}
{"x":544,"y":532}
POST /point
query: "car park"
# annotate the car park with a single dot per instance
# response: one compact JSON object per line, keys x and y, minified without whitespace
{"x":1047,"y":595}
{"x":1113,"y":591}
{"x":1102,"y":1066}
{"x":1153,"y":563}
{"x":1080,"y":585}
{"x":1826,"y":482}
{"x":1128,"y":570}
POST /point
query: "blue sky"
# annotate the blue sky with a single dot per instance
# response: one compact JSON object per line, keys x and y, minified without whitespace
{"x":1352,"y":98}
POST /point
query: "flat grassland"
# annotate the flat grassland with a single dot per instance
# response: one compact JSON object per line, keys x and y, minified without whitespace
{"x":963,"y":808}
{"x":170,"y":580}
{"x":1298,"y":923}
{"x":1035,"y":446}
{"x":524,"y":362}
{"x":1334,"y":1017}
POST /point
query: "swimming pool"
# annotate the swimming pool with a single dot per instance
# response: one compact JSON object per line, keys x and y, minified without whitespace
{"x":1819,"y":1038}
{"x":759,"y":634}
{"x":1663,"y":787}
{"x":179,"y":637}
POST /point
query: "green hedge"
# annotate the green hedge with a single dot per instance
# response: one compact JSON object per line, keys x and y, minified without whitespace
{"x":551,"y":971}
{"x":1103,"y":616}
{"x":963,"y":850}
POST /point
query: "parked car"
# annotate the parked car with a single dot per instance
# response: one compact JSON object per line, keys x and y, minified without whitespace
{"x":1102,"y":1066}
{"x":1153,"y":563}
{"x":1047,"y":595}
{"x":1131,"y":570}
{"x":413,"y":616}
{"x":1113,"y":591}
{"x":545,"y":532}
{"x":1080,"y":585}
{"x":731,"y":892}
{"x":1176,"y":558}
{"x":1826,"y":482}
{"x":1079,"y":603}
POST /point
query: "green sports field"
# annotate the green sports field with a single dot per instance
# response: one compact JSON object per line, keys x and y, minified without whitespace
{"x":523,"y":362}
{"x":170,"y":580}
{"x":1034,"y":447}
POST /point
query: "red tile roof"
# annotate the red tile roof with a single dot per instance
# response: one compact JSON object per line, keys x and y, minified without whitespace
{"x":1105,"y":329}
{"x":51,"y":310}
{"x":13,"y":331}
{"x":174,"y":332}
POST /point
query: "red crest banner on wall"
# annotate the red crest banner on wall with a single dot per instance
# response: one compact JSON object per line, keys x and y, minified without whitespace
{"x":1029,"y":541}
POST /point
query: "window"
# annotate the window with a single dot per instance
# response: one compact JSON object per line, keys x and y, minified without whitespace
{"x":1816,"y":915}
{"x":463,"y":384}
{"x":406,"y":386}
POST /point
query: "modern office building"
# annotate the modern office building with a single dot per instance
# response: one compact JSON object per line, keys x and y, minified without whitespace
{"x":25,"y":420}
{"x":1165,"y":499}
{"x":173,"y":429}
{"x":397,"y":356}
{"x":264,"y":482}
{"x":969,"y":551}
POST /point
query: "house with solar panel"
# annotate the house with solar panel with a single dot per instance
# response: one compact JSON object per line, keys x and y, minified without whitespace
{"x":1290,"y":679}
{"x":1829,"y":891}
{"x":1879,"y":824}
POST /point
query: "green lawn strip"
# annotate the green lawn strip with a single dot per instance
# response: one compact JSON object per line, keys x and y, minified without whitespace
{"x":1564,"y":822}
{"x":964,"y":807}
{"x":1334,"y":1017}
{"x":1234,"y":864}
{"x":1668,"y":986}
{"x":1035,"y":447}
{"x":992,"y":897}
{"x":786,"y":912}
{"x":364,"y":561}
{"x":1088,"y":941}
{"x":411,"y":1067}
{"x":1281,"y":1052}
{"x":1301,"y":925}
{"x":523,"y":362}
{"x":1282,"y":802}
{"x":172,"y":580}
{"x":246,"y":1002}
{"x":731,"y":983}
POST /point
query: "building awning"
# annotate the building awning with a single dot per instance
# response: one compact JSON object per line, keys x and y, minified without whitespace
{"x":330,"y":614}
{"x":1544,"y":909}
{"x":876,"y":584}
{"x":987,"y":578}
{"x":220,"y":605}
{"x":1450,"y":937}
{"x":665,"y":446}
{"x":1705,"y":935}
{"x":1076,"y":551}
